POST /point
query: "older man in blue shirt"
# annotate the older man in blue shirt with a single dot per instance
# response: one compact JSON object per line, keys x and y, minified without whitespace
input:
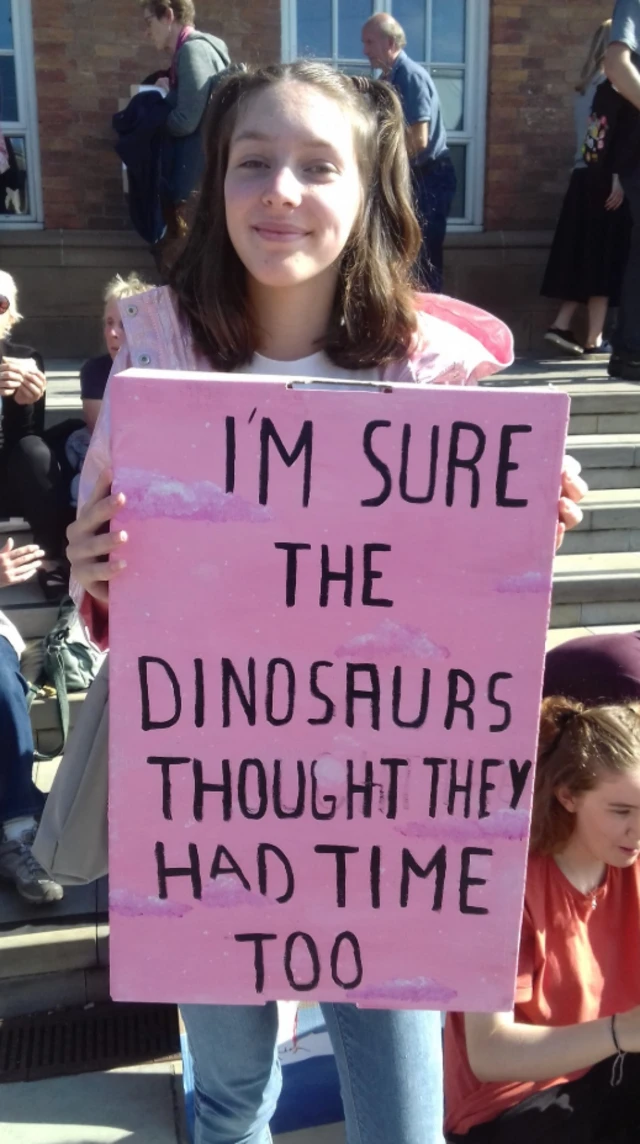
{"x":622,"y":65}
{"x":434,"y":177}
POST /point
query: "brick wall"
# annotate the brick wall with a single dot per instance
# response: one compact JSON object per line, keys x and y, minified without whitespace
{"x":538,"y":47}
{"x":88,"y":52}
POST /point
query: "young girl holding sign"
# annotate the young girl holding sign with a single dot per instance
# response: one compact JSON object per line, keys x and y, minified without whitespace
{"x":299,"y":263}
{"x":564,"y":1066}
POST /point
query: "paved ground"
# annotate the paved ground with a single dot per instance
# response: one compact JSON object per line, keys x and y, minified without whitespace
{"x":141,"y":1105}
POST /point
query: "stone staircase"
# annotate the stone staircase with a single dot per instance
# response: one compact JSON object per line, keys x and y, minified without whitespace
{"x":58,"y":956}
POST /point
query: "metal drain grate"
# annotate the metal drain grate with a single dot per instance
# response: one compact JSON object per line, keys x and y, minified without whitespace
{"x":86,"y":1040}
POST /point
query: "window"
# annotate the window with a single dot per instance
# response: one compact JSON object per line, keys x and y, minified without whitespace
{"x":450,"y":37}
{"x":20,"y":196}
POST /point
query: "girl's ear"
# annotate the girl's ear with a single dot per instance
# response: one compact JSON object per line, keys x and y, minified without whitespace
{"x":567,"y":799}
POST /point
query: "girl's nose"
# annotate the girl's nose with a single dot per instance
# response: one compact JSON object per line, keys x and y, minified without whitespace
{"x":282,"y":188}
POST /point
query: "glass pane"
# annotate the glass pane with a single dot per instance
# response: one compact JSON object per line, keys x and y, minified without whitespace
{"x":6,"y":25}
{"x":448,"y":31}
{"x":14,"y":191}
{"x":412,"y":14}
{"x":351,"y":16}
{"x":458,"y":152}
{"x":356,"y":69}
{"x":314,"y":28}
{"x":450,"y":87}
{"x":8,"y":91}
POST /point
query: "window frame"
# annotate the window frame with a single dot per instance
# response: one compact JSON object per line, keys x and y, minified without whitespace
{"x":476,"y":72}
{"x":27,"y":123}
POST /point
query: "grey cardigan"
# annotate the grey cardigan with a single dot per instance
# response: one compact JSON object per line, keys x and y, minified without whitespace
{"x":200,"y":58}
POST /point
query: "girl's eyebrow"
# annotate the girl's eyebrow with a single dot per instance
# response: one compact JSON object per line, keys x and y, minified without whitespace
{"x":623,"y":806}
{"x":262,"y":137}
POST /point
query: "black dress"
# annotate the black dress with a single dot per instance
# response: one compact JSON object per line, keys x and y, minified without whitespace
{"x":590,"y":246}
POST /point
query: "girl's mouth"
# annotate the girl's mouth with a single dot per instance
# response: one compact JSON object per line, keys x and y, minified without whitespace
{"x":273,"y":233}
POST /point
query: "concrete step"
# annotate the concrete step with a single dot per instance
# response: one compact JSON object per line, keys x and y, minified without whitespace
{"x":611,"y":523}
{"x":596,"y":588}
{"x":609,"y":460}
{"x":557,"y":636}
{"x":27,"y":608}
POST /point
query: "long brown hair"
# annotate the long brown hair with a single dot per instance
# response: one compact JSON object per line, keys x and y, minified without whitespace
{"x":578,"y":747}
{"x":373,"y":319}
{"x":594,"y":62}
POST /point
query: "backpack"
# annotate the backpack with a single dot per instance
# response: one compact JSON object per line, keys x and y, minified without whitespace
{"x":69,"y":663}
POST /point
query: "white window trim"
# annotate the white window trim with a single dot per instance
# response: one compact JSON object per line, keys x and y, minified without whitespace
{"x":475,"y":110}
{"x":28,"y":122}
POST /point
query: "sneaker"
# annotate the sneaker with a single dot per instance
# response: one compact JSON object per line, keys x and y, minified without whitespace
{"x":18,"y":865}
{"x":605,"y":349}
{"x":565,"y":339}
{"x":624,"y":367}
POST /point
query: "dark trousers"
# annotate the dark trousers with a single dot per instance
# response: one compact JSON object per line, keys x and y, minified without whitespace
{"x":18,"y":794}
{"x":587,"y":1111}
{"x":434,"y":188}
{"x":34,"y":483}
{"x":626,"y":339}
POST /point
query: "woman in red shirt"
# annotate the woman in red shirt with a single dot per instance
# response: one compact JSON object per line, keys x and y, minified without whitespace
{"x":563,"y":1066}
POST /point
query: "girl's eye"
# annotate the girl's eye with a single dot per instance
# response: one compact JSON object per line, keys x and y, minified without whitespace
{"x":622,"y":813}
{"x":252,"y":163}
{"x":322,"y":169}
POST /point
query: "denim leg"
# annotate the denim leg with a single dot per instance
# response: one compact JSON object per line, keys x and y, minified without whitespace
{"x":18,"y":794}
{"x":236,"y":1070}
{"x":390,"y":1066}
{"x":626,"y":338}
{"x":434,"y":191}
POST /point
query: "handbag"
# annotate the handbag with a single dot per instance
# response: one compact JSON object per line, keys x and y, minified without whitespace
{"x":68,"y":663}
{"x":72,"y":841}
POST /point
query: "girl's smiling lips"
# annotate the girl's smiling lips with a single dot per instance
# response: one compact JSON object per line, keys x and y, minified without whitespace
{"x":279,"y":232}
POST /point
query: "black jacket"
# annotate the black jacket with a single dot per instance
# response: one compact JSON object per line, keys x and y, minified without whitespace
{"x":141,"y":134}
{"x":18,"y":421}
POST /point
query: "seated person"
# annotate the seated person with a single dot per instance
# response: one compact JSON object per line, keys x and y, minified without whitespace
{"x":21,"y":802}
{"x":94,"y":374}
{"x":564,"y":1066}
{"x":31,"y":483}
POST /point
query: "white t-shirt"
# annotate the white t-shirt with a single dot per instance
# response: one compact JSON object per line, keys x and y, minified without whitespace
{"x":316,"y":365}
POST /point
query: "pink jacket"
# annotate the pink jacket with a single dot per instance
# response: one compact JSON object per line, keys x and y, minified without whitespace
{"x":458,"y":344}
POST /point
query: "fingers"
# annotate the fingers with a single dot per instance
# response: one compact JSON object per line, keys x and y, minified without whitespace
{"x":560,"y":533}
{"x":95,"y":554}
{"x":569,"y":513}
{"x":573,"y":485}
{"x":19,"y":564}
{"x":11,"y":576}
{"x":28,"y":554}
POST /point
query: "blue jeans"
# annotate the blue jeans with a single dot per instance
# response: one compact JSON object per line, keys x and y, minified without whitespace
{"x":390,"y":1067}
{"x":434,"y":188}
{"x":18,"y":794}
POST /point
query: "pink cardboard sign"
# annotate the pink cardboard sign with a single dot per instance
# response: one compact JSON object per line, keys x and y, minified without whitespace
{"x":326,"y":660}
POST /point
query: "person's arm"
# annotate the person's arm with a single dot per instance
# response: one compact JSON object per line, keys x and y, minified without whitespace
{"x":501,"y":1049}
{"x":91,"y":408}
{"x":417,"y":136}
{"x":195,"y":70}
{"x":621,"y":70}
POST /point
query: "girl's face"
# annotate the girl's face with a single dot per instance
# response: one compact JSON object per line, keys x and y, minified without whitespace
{"x":112,"y":327}
{"x":292,"y":189}
{"x":607,"y":819}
